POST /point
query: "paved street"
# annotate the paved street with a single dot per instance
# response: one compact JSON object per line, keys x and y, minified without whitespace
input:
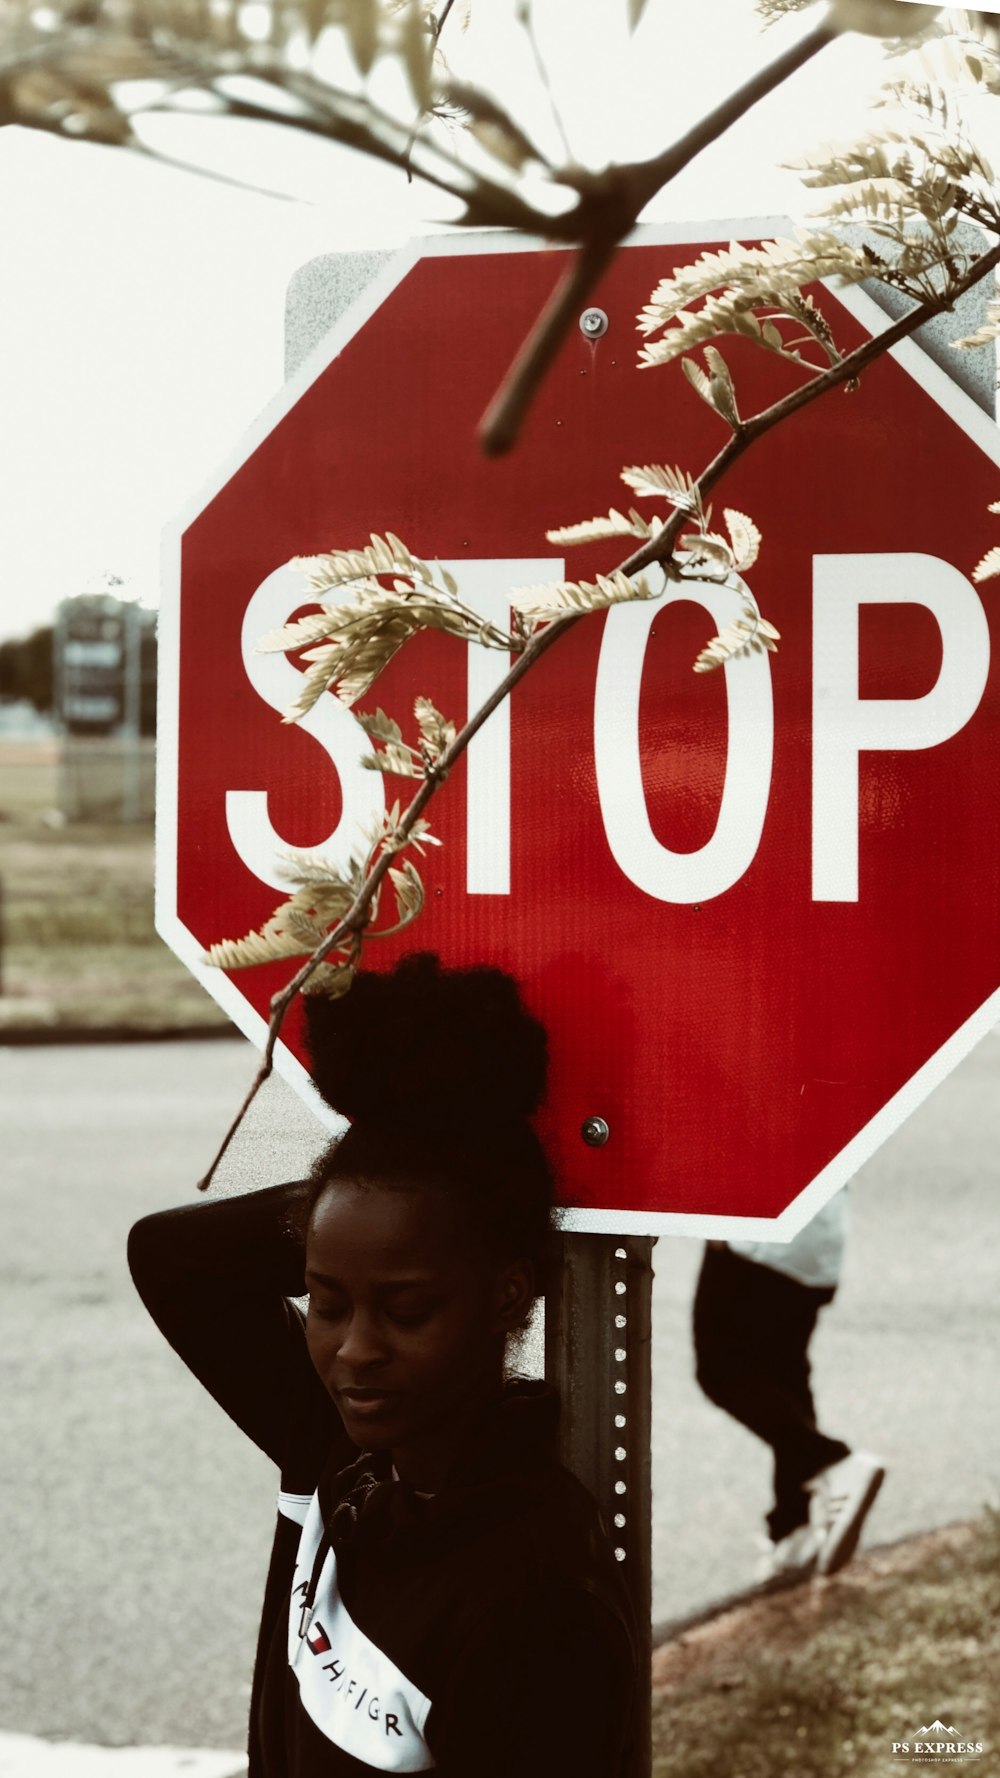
{"x":138,"y":1520}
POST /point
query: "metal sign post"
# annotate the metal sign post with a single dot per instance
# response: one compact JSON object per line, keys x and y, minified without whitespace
{"x":598,"y":1355}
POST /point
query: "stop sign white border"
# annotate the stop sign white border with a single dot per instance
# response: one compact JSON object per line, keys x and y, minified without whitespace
{"x":935,"y":383}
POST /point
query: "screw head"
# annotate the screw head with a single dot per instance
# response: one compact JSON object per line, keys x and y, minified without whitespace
{"x":593,"y":322}
{"x":594,"y":1131}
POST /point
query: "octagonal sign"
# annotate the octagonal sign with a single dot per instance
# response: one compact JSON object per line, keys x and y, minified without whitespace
{"x":756,"y":909}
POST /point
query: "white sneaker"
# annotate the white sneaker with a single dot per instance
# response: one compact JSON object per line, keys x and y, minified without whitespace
{"x":791,"y":1559}
{"x":842,"y":1497}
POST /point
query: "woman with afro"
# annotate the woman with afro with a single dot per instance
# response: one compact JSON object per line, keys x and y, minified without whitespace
{"x":441,"y":1593}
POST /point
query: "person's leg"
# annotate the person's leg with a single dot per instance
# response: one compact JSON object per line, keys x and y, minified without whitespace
{"x":722,"y":1320}
{"x":802,"y":1450}
{"x":817,"y":1480}
{"x":752,"y":1327}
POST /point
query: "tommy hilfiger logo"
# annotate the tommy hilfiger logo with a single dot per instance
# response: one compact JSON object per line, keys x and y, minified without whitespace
{"x":318,"y":1640}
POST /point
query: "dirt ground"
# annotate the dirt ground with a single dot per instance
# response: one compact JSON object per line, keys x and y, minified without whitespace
{"x":717,"y":1650}
{"x":842,"y":1678}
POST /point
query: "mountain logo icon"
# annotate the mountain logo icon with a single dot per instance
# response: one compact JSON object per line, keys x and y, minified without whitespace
{"x":935,"y":1728}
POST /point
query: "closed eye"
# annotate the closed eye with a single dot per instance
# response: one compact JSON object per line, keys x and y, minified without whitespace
{"x":410,"y":1317}
{"x":327,"y":1311}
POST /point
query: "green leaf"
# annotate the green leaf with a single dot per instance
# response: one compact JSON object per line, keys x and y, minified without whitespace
{"x":380,"y":726}
{"x":332,"y":979}
{"x":362,"y":32}
{"x":723,"y":387}
{"x":698,"y":380}
{"x":745,"y":537}
{"x":650,"y":480}
{"x":732,"y":282}
{"x":539,"y":604}
{"x":438,"y":733}
{"x":361,"y":634}
{"x":882,"y":18}
{"x":984,"y":335}
{"x":747,"y":634}
{"x":506,"y":146}
{"x":295,"y":928}
{"x":595,"y":530}
{"x":418,"y":53}
{"x":397,"y":761}
{"x":989,"y":567}
{"x":409,"y":891}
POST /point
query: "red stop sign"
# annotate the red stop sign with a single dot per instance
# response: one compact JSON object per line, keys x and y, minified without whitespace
{"x":756,"y":909}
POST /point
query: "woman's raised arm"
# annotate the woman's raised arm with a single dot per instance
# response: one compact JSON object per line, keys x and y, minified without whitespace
{"x":216,"y":1278}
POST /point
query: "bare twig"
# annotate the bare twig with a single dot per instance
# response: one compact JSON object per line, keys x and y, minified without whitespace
{"x":442,"y":20}
{"x":504,"y":417}
{"x":657,"y":550}
{"x":437,"y":26}
{"x":652,"y":175}
{"x":608,"y":210}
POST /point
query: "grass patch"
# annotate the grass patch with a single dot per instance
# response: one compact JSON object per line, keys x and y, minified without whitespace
{"x":819,"y":1681}
{"x":79,"y":947}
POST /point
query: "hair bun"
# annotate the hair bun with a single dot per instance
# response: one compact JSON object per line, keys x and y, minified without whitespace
{"x":449,"y":1047}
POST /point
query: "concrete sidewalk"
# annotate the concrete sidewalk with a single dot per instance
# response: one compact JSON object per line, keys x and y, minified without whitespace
{"x":23,"y":1756}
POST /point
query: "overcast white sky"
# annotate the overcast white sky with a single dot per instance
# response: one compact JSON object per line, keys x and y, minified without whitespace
{"x":141,"y":308}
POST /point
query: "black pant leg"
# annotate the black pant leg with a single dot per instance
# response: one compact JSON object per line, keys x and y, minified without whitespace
{"x":752,"y":1327}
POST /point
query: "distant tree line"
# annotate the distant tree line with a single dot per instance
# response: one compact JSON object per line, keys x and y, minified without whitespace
{"x":26,"y":669}
{"x":28,"y":672}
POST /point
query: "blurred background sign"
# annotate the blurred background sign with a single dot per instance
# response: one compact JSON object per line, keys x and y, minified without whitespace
{"x":104,"y":669}
{"x":90,"y":642}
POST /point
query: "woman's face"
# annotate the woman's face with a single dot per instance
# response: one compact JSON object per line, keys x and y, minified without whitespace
{"x":407,"y":1320}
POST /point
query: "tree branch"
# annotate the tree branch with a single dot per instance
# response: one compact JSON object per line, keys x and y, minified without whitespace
{"x":649,"y":177}
{"x":504,"y":417}
{"x":608,"y":210}
{"x":497,"y":203}
{"x":607,"y":204}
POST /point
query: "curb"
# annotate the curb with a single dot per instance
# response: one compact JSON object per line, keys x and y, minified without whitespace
{"x":30,"y":1756}
{"x":669,"y":1629}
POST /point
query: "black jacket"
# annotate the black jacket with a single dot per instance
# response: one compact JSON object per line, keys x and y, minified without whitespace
{"x":485,"y":1633}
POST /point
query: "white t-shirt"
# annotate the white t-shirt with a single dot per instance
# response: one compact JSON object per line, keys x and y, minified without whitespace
{"x":814,"y":1256}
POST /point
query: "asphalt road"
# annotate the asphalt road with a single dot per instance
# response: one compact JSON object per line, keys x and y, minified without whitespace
{"x":137,"y":1519}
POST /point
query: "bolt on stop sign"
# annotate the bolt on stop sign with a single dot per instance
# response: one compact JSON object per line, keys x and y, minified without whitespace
{"x":756,"y":909}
